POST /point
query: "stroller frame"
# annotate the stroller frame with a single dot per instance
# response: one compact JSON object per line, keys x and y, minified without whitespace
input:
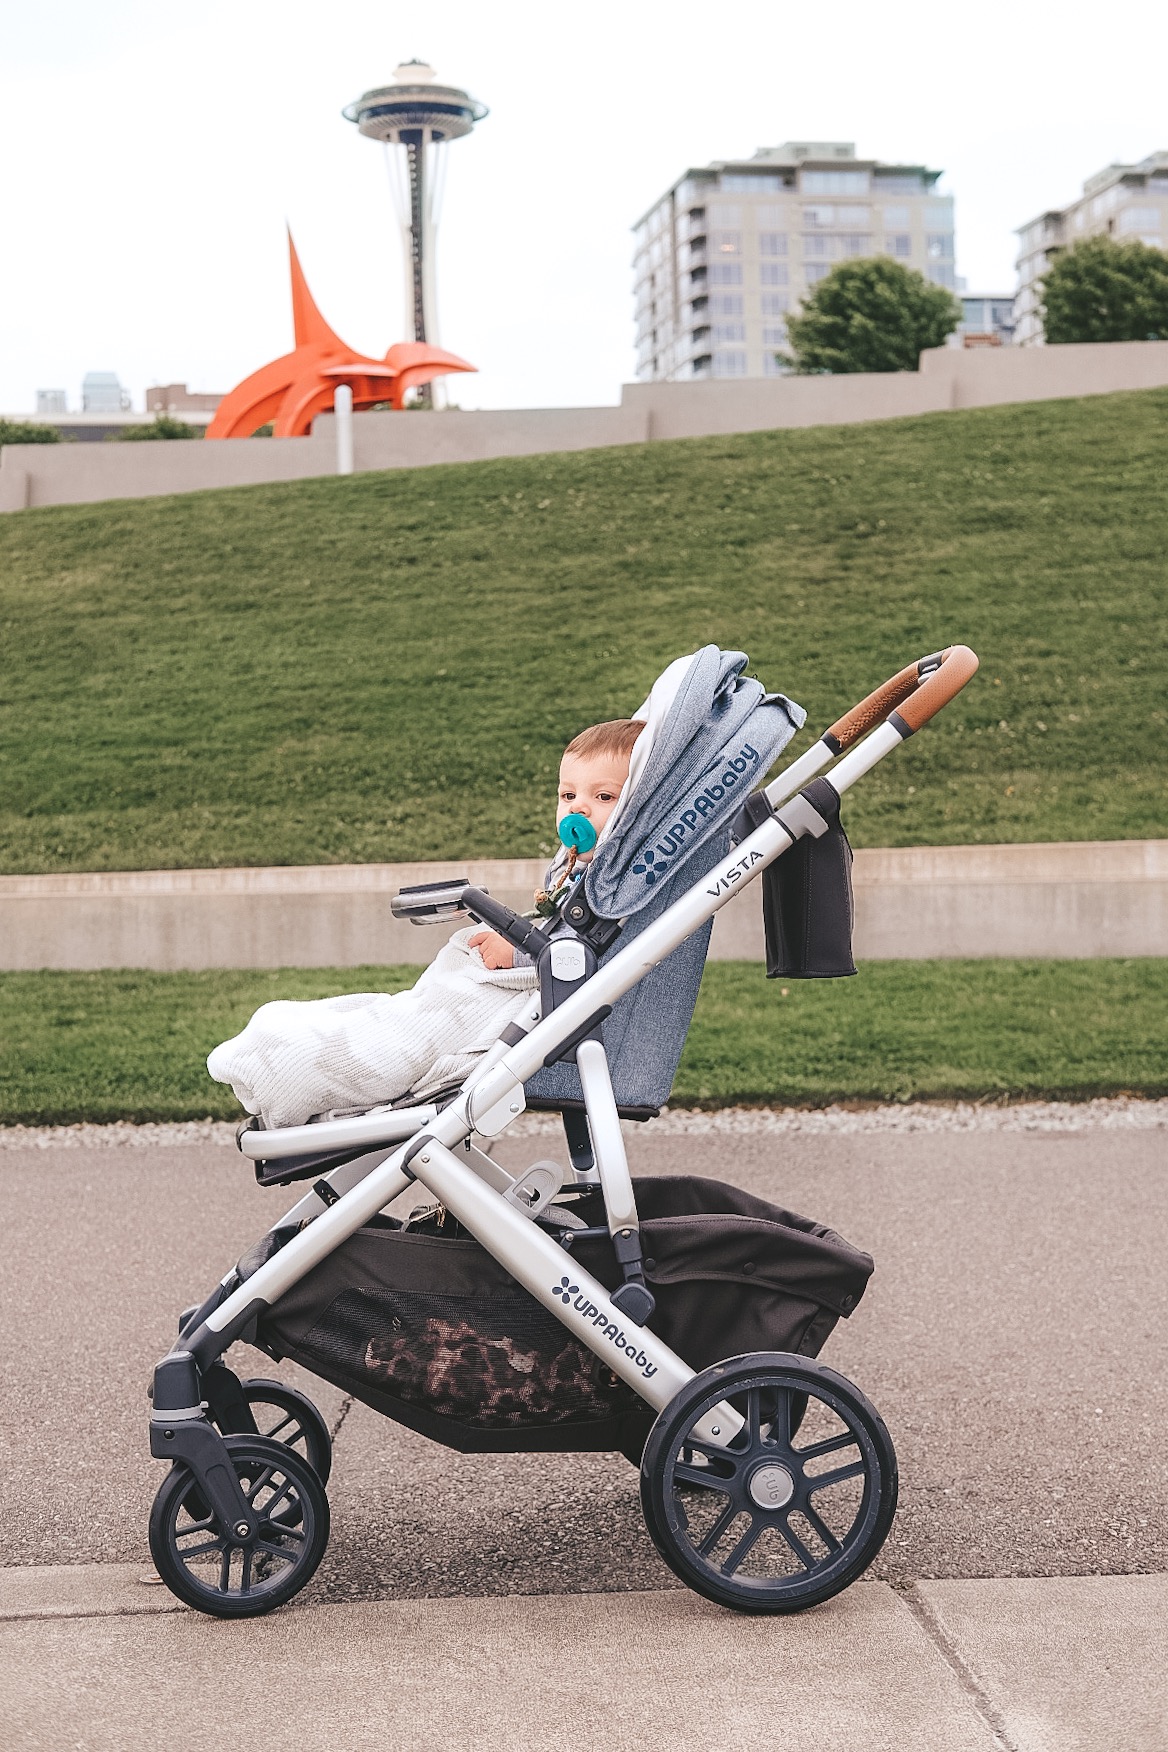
{"x":378,"y":1155}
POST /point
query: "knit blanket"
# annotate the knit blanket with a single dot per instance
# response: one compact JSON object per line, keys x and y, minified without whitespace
{"x":294,"y":1060}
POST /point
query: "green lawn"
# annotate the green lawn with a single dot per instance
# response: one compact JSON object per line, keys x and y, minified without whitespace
{"x":108,"y":1046}
{"x":386,"y":667}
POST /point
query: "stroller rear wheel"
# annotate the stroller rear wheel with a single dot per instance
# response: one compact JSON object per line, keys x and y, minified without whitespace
{"x":282,"y":1414}
{"x":208,"y":1567}
{"x":795,"y":1509}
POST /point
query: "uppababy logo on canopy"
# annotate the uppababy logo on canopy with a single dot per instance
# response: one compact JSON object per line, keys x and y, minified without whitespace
{"x":569,"y":1294}
{"x":653,"y":862}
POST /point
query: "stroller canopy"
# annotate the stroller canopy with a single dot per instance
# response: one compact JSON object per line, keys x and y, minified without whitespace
{"x":710,"y":735}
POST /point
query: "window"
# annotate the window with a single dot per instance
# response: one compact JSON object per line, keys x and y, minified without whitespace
{"x":729,"y":331}
{"x":730,"y":364}
{"x":772,"y":273}
{"x":772,"y":243}
{"x":818,"y":246}
{"x":1140,"y":219}
{"x":1158,"y":185}
{"x":938,"y":245}
{"x":725,"y":273}
{"x":726,"y":304}
{"x":770,"y":213}
{"x":772,"y":367}
{"x":724,"y":215}
{"x":853,"y":215}
{"x":816,"y":271}
{"x":758,"y":184}
{"x":775,"y":303}
{"x":905,"y":183}
{"x":819,"y":215}
{"x":834,"y":182}
{"x":726,"y":243}
{"x":895,"y":217}
{"x":939,"y":216}
{"x":941,"y":274}
{"x":856,"y":243}
{"x":900,"y":244}
{"x":775,"y":336}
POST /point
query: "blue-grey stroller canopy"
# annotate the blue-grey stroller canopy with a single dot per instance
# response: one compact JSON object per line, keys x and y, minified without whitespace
{"x":710,"y":735}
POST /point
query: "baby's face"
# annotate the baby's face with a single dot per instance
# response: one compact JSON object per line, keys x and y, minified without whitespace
{"x":591,"y":786}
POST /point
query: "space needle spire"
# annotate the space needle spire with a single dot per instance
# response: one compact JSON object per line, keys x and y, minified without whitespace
{"x":415,"y":118}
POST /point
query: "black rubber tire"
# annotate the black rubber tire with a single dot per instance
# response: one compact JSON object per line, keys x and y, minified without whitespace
{"x":766,"y":1388}
{"x":300,"y":1425}
{"x":288,"y":1549}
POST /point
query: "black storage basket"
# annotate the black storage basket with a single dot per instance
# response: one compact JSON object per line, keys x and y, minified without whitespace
{"x":426,"y":1327}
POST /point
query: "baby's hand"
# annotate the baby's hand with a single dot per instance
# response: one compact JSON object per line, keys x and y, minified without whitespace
{"x":495,"y":950}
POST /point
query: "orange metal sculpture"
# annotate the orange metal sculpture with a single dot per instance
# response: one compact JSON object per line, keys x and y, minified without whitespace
{"x":291,"y":391}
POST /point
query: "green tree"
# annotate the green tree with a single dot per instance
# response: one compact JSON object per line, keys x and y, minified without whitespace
{"x":871,"y":315}
{"x":27,"y":432}
{"x":163,"y":426}
{"x":1105,"y":291}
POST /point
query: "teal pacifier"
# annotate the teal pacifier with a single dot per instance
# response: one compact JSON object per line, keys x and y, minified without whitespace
{"x":577,"y":833}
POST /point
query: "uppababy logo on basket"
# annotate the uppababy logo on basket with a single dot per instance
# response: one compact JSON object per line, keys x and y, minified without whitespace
{"x":653,"y":861}
{"x":569,"y":1294}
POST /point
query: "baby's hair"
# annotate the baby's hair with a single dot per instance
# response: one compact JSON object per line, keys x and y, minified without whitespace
{"x":615,"y":737}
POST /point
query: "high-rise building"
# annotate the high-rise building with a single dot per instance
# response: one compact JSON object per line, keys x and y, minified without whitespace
{"x":1125,"y":201}
{"x":51,"y":401}
{"x":101,"y":393}
{"x":729,"y":251}
{"x":986,"y":320}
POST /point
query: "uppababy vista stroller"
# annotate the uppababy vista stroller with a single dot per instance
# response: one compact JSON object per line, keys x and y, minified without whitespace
{"x":675,"y":1320}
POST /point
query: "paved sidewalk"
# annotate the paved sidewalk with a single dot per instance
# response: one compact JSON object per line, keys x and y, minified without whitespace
{"x":1062,"y":1665}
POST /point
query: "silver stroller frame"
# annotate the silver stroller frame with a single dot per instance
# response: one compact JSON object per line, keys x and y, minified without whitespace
{"x":386,"y":1150}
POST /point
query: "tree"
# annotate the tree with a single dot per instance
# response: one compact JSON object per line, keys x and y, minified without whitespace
{"x":1105,"y":291}
{"x":27,"y":432}
{"x":871,"y":315}
{"x":162,"y":426}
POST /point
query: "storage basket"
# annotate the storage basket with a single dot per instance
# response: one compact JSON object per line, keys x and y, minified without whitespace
{"x":422,"y":1323}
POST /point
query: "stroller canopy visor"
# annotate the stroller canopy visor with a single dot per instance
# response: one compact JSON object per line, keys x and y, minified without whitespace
{"x":711,"y":733}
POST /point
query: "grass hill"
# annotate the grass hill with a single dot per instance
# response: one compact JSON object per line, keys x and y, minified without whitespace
{"x":388,"y":666}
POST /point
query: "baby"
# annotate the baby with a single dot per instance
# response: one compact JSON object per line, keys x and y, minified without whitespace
{"x":295,"y":1060}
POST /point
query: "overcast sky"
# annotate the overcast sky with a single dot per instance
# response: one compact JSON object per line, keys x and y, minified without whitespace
{"x":152,"y":153}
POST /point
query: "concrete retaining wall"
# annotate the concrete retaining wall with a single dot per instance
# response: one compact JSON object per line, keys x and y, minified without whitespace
{"x":1077,"y":900}
{"x":45,"y":474}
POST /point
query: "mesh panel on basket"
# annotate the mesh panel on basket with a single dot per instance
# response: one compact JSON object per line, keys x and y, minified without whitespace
{"x":505,"y":1363}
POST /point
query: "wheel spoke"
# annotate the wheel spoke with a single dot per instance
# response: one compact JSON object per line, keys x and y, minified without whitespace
{"x":275,"y":1550}
{"x":273,"y":1435}
{"x":707,"y":1480}
{"x":780,"y":1429}
{"x":284,"y":1531}
{"x":286,"y":1494}
{"x":741,"y":1549}
{"x":752,"y":1415}
{"x":245,"y":1573}
{"x":255,"y":1486}
{"x":829,"y":1445}
{"x":822,"y":1528}
{"x":823,"y":1479}
{"x":225,"y":1570}
{"x":716,"y":1531}
{"x":806,"y":1558}
{"x":186,"y":1552}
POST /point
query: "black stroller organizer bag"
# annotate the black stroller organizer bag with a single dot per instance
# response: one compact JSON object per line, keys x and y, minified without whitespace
{"x":807,"y":906}
{"x":422,"y":1324}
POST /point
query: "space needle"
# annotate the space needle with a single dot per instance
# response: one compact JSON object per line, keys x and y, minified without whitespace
{"x":420,"y":116}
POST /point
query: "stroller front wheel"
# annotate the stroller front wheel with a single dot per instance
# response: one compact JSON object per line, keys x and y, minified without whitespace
{"x":205,"y":1565}
{"x":794,"y":1509}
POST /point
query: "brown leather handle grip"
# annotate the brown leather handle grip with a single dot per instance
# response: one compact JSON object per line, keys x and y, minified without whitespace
{"x":958,"y":665}
{"x":915,"y":694}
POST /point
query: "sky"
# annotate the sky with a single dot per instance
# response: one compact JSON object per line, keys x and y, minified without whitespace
{"x":152,"y":153}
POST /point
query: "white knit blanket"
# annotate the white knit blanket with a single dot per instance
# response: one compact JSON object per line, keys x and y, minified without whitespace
{"x":296,"y":1059}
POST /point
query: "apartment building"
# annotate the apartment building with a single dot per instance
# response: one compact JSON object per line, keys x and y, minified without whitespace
{"x":1125,"y":201}
{"x":730,"y":251}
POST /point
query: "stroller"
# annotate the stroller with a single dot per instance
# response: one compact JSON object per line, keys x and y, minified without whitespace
{"x":675,"y":1320}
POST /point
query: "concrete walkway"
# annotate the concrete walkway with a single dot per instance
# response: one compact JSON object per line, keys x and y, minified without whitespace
{"x":90,"y":1658}
{"x":1014,"y":1337}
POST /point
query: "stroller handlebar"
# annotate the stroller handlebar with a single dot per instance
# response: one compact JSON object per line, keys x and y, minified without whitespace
{"x":916,"y":694}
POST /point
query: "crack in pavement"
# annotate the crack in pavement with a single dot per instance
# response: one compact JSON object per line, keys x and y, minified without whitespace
{"x":970,"y":1684}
